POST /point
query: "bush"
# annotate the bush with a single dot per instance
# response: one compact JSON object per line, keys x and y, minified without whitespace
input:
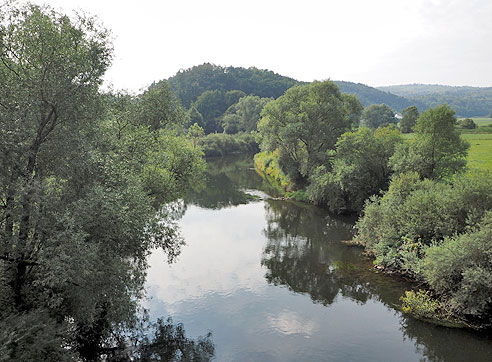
{"x":415,"y":211}
{"x":421,"y":305}
{"x":466,"y":123}
{"x":266,"y":164}
{"x":460,"y":269}
{"x":220,"y":144}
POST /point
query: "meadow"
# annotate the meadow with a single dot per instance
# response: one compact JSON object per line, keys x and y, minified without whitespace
{"x":480,"y":153}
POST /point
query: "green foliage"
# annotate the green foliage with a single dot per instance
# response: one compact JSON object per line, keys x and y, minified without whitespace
{"x":190,"y":83}
{"x":409,"y":119}
{"x":244,"y":115}
{"x":211,"y":105}
{"x":422,"y":305}
{"x":266,"y":164}
{"x":157,"y":108}
{"x":466,"y":123}
{"x":221,"y":144}
{"x":82,"y":185}
{"x":359,"y":169}
{"x":414,"y":214}
{"x":304,"y":124}
{"x":436,"y":151}
{"x":460,"y":269}
{"x":377,"y":115}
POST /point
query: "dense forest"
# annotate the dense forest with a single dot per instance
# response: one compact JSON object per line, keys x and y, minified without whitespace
{"x":369,"y":95}
{"x":466,"y":101}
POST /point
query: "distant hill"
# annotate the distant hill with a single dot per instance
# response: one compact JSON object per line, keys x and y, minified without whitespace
{"x":190,"y":83}
{"x":369,"y":95}
{"x":466,"y":101}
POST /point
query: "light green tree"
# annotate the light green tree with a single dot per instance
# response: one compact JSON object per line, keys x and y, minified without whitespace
{"x":244,"y":115}
{"x":304,"y":125}
{"x":437,"y":151}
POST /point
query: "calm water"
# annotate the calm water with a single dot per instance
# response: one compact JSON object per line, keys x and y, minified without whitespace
{"x":272,"y":281}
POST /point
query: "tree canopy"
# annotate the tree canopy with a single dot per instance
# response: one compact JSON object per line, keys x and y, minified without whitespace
{"x":437,"y":151}
{"x":190,"y":83}
{"x":85,"y":189}
{"x":304,"y":124}
{"x":377,"y":115}
{"x":409,"y":119}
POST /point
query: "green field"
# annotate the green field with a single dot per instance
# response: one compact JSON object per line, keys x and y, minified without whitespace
{"x":480,"y":153}
{"x":480,"y":121}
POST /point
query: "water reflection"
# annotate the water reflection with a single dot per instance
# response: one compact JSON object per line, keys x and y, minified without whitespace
{"x":273,"y":282}
{"x":231,"y":181}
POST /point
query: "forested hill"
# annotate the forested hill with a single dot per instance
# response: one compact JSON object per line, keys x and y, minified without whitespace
{"x":369,"y":95}
{"x":466,"y":101}
{"x":190,"y":83}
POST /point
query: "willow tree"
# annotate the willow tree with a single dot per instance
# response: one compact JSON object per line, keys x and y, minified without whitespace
{"x":305,"y":123}
{"x":80,"y":192}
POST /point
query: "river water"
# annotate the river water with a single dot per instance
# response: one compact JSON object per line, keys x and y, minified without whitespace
{"x":272,"y":281}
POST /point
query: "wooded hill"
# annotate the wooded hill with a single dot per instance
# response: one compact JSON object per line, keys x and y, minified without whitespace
{"x":189,"y":84}
{"x":466,"y":101}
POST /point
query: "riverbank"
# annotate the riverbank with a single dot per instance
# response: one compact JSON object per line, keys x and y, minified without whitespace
{"x":433,"y":232}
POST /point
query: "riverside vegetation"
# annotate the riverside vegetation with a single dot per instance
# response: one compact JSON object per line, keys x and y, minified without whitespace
{"x":420,"y":212}
{"x":87,"y":185}
{"x":90,"y":183}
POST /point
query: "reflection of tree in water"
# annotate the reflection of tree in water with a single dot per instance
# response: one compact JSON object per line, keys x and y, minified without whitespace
{"x":227,"y":178}
{"x":305,"y":254}
{"x":447,"y":344}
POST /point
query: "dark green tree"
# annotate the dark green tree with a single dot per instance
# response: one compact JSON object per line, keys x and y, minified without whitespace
{"x":466,"y":123}
{"x":377,"y":115}
{"x":359,"y":169}
{"x":409,"y":119}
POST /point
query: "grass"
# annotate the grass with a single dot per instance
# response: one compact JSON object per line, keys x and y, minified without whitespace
{"x":480,"y":152}
{"x":480,"y":121}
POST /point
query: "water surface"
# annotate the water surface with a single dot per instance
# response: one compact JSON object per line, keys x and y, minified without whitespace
{"x":272,"y":281}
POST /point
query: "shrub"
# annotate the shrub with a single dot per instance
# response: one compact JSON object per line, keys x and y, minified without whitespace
{"x":460,"y":269}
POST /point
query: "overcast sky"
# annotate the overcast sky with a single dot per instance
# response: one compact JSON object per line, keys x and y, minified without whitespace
{"x":376,"y":42}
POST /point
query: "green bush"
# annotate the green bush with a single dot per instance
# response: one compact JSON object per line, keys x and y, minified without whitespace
{"x":460,"y":269}
{"x":221,"y":144}
{"x":466,"y":123}
{"x":415,"y":211}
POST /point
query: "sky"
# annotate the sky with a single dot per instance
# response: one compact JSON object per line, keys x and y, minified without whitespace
{"x":375,"y":42}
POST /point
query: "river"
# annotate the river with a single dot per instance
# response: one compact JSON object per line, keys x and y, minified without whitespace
{"x":272,"y":281}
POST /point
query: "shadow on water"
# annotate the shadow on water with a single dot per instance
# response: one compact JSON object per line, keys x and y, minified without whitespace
{"x":304,"y":253}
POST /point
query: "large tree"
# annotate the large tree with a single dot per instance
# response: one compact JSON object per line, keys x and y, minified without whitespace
{"x":304,"y":124}
{"x":377,"y":115}
{"x":81,"y":191}
{"x":437,"y":151}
